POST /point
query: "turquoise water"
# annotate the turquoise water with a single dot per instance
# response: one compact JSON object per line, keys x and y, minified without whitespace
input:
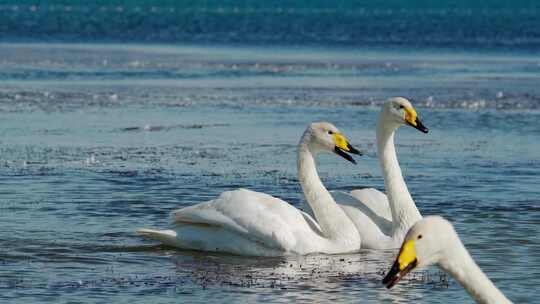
{"x":99,"y":140}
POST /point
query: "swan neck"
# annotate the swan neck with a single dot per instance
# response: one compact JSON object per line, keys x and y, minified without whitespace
{"x":464,"y":269}
{"x":333,"y":221}
{"x":403,"y":208}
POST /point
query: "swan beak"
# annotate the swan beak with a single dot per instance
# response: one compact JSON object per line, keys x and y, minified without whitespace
{"x":405,"y":262}
{"x":411,"y":118}
{"x":342,"y":147}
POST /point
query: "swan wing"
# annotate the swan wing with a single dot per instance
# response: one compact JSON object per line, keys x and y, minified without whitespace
{"x":312,"y":223}
{"x":368,"y":215}
{"x":375,"y":200}
{"x":256,"y":216}
{"x":370,"y":201}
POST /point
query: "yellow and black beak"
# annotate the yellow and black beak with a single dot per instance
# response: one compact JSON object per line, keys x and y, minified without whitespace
{"x":411,"y":118}
{"x":342,"y":147}
{"x":405,"y":262}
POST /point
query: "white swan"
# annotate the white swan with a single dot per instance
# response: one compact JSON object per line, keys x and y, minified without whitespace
{"x":245,"y":222}
{"x":383,"y":222}
{"x":433,"y":240}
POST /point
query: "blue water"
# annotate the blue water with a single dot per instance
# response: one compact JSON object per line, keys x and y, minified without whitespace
{"x":99,"y":140}
{"x":458,"y":24}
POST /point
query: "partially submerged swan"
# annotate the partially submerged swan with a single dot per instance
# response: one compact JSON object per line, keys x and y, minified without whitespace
{"x":383,"y":221}
{"x":252,"y":223}
{"x":433,"y":240}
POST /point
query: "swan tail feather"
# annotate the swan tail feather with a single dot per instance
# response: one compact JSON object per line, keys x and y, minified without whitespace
{"x":164,"y":236}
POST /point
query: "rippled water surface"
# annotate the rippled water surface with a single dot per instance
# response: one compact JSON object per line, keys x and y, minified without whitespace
{"x":99,"y":140}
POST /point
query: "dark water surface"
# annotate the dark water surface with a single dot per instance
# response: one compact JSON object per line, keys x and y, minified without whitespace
{"x":458,"y":24}
{"x":99,"y":140}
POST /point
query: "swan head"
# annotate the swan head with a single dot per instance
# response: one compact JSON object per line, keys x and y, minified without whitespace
{"x":324,"y":136}
{"x":400,"y":111}
{"x":429,"y":241}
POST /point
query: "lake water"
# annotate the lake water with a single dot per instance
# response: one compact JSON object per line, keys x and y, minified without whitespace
{"x":99,"y":140}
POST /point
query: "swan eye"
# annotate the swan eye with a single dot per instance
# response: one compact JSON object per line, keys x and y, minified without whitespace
{"x":401,"y":106}
{"x":330,"y":132}
{"x":419,"y":236}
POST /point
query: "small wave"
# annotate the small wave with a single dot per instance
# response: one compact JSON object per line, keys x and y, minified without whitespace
{"x":155,"y":128}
